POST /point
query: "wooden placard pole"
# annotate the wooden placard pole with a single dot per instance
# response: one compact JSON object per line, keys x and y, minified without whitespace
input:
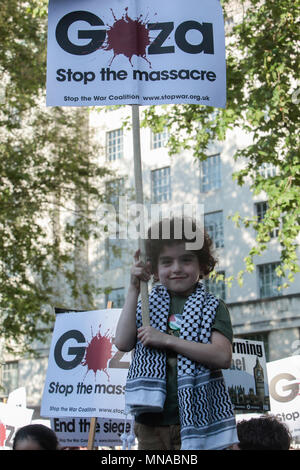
{"x":138,"y":178}
{"x":92,"y":432}
{"x":93,"y":421}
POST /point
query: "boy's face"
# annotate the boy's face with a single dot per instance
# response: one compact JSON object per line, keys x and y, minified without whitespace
{"x":178,"y":269}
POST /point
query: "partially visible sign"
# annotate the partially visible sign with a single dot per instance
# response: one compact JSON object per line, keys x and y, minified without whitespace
{"x":74,"y":432}
{"x":143,"y":52}
{"x":246,"y":380}
{"x":284,"y":381}
{"x":17,"y":397}
{"x":86,"y":373}
{"x":11,"y":419}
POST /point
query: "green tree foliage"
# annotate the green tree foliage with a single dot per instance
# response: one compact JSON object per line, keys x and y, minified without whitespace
{"x":263,"y":101}
{"x":47,"y":180}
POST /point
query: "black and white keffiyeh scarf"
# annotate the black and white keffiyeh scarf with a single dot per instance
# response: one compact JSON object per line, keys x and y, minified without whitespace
{"x":206,"y":414}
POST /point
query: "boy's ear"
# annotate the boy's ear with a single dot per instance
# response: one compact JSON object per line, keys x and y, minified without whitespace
{"x":201,"y":276}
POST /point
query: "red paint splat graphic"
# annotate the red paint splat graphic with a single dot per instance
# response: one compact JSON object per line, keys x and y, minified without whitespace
{"x":128,"y":37}
{"x":98,"y":353}
{"x":2,"y":434}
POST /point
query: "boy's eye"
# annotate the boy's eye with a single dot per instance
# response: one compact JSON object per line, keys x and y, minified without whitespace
{"x":188,"y":259}
{"x":165,"y":261}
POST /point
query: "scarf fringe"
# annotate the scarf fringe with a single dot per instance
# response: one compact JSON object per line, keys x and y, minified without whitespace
{"x":128,"y":439}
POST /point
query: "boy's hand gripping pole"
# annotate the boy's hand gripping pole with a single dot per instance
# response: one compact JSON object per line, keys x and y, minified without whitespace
{"x":138,"y":177}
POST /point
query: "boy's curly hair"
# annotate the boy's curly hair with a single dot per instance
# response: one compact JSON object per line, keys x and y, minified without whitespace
{"x":157,"y":240}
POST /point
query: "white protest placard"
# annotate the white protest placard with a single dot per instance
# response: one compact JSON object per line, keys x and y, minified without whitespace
{"x":284,"y":383}
{"x":247,"y":380}
{"x":74,"y":432}
{"x":11,"y":419}
{"x":17,"y":397}
{"x":113,"y":52}
{"x":86,"y":373}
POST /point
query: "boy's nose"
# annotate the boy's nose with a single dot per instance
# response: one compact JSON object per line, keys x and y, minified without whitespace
{"x":176,"y":267}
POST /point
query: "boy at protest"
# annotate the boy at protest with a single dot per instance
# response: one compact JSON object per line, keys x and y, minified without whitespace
{"x":175,"y":388}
